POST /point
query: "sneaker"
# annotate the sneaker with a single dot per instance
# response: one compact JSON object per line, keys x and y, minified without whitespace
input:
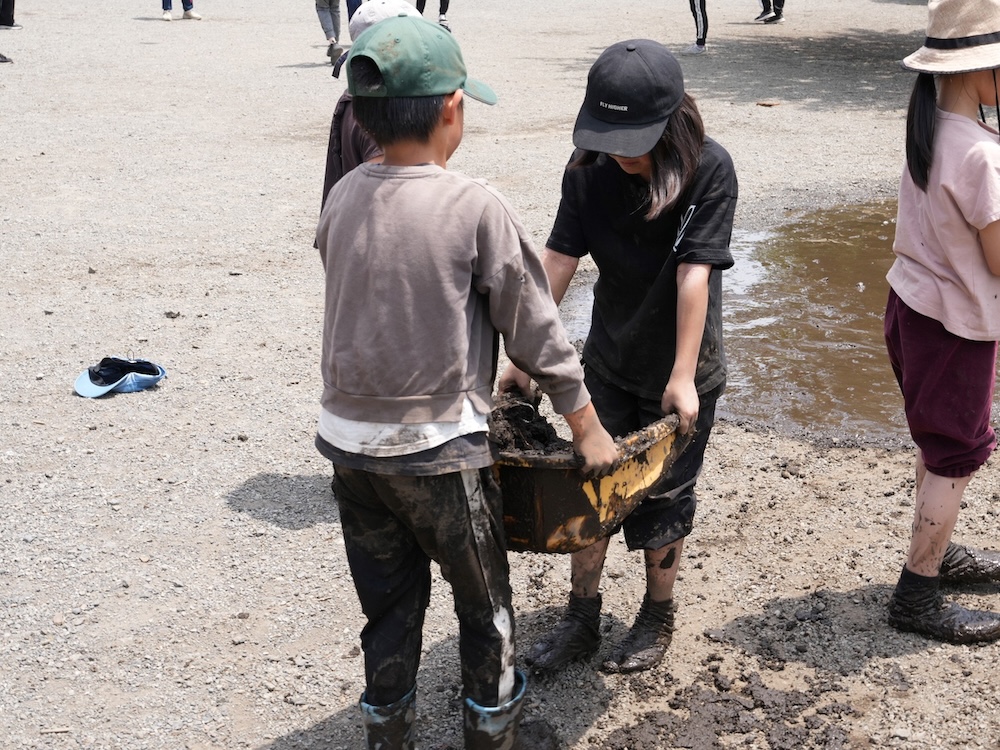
{"x":443,"y":23}
{"x":776,"y":18}
{"x":4,"y":58}
{"x":694,"y":49}
{"x":334,"y":51}
{"x":167,"y":16}
{"x":192,"y":16}
{"x":765,"y":15}
{"x":12,"y":26}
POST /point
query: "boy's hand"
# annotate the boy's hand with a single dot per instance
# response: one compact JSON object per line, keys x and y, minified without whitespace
{"x":512,"y":378}
{"x":591,"y":441}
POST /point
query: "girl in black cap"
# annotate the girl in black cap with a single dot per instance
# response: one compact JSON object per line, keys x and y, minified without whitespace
{"x":651,"y":199}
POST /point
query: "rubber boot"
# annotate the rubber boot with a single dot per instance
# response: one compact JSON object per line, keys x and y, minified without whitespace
{"x":646,"y":642}
{"x":917,"y":606}
{"x":495,"y":728}
{"x":963,"y":564}
{"x":576,"y":635}
{"x":500,"y":728}
{"x":390,"y":727}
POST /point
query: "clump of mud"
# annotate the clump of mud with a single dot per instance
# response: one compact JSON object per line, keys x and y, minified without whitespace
{"x":516,"y":425}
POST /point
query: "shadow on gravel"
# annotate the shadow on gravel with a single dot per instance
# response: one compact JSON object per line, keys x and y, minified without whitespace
{"x":306,"y":65}
{"x":290,"y":502}
{"x":725,"y":702}
{"x":339,"y":730}
{"x":856,"y":70}
{"x":835,"y":633}
{"x":439,"y":699}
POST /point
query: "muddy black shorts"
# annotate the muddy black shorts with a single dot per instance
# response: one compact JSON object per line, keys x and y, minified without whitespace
{"x":667,"y":515}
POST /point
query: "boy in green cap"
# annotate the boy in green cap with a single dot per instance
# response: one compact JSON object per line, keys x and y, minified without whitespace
{"x":425,"y":268}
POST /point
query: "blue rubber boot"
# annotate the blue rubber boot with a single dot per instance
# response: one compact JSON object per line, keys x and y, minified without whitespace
{"x":495,"y":728}
{"x":390,"y":727}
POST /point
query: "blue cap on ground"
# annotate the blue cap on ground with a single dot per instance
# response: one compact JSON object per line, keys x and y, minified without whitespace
{"x":119,"y":375}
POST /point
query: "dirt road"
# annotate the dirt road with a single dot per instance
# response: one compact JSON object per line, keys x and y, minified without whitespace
{"x":172,"y":573}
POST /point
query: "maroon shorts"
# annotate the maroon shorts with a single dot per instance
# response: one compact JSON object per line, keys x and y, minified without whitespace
{"x":947,"y":384}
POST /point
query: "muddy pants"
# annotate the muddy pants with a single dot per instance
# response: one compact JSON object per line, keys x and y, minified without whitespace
{"x":393,"y":527}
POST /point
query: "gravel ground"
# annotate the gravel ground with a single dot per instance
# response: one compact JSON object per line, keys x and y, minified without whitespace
{"x":171,"y":566}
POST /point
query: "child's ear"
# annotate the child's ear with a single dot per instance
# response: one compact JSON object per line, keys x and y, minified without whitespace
{"x":452,"y":106}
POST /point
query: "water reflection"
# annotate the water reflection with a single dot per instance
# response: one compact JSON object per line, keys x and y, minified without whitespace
{"x":803,"y":314}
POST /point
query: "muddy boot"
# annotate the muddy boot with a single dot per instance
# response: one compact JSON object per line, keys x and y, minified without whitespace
{"x":500,"y":728}
{"x":576,"y":635}
{"x":495,"y":728}
{"x":647,"y":641}
{"x":917,"y":606}
{"x":963,"y":564}
{"x":390,"y":727}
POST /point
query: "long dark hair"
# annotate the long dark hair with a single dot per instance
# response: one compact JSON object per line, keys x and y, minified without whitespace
{"x":920,"y":119}
{"x":675,"y":157}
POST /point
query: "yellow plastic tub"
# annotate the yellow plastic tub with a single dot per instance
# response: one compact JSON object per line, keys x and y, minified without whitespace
{"x":549,"y":506}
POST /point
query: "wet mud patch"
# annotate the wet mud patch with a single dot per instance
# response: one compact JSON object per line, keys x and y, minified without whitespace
{"x":719,"y":710}
{"x":826,"y":631}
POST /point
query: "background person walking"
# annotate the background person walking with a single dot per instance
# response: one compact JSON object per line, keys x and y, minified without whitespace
{"x":189,"y":12}
{"x":443,"y":6}
{"x":772,"y":11}
{"x":328,"y":12}
{"x":7,"y":16}
{"x":700,"y":13}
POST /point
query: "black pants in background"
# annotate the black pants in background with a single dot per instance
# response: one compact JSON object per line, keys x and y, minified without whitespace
{"x":6,"y":12}
{"x":700,"y":21}
{"x":442,"y":5}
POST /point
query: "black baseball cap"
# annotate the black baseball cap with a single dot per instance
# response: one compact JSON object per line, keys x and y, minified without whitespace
{"x":632,"y":89}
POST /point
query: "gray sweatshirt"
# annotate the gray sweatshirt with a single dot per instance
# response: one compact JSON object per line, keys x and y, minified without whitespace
{"x":424,"y":267}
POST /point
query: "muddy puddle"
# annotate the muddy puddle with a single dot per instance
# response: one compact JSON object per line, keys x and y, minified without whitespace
{"x":803,"y":323}
{"x":803,"y":315}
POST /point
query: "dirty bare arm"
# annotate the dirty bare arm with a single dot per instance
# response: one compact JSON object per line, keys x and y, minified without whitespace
{"x":681,"y":395}
{"x":591,"y":441}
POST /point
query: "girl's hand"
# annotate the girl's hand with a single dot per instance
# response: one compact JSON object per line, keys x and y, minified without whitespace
{"x":680,"y":397}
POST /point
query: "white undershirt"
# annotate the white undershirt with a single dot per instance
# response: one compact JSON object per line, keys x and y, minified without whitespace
{"x":380,"y":439}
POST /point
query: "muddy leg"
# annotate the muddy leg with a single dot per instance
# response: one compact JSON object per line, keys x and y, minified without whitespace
{"x":938,"y":502}
{"x":578,"y":633}
{"x":586,"y":567}
{"x":661,"y":571}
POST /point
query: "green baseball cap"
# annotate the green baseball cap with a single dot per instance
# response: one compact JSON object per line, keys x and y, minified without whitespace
{"x":416,"y":58}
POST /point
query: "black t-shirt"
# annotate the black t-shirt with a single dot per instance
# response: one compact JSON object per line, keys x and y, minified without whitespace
{"x":633,"y":334}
